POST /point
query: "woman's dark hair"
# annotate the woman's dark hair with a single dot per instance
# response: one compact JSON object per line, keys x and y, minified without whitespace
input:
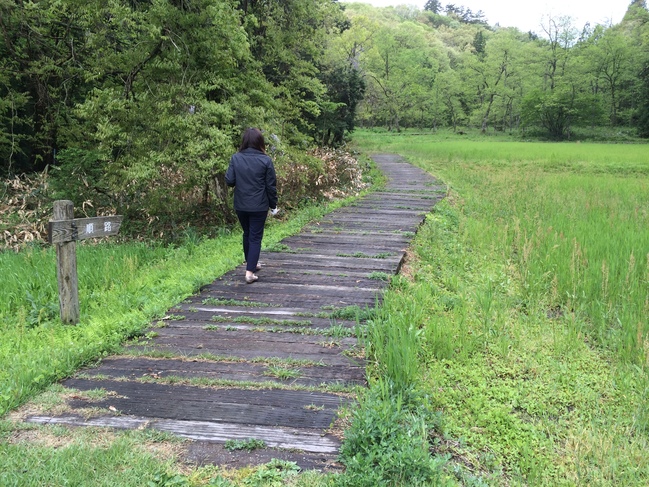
{"x":253,"y":138}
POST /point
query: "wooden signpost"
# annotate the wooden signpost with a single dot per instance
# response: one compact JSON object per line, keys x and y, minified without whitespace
{"x":64,"y":230}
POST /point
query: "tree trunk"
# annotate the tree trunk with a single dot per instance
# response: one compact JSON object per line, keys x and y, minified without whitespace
{"x":486,"y":115}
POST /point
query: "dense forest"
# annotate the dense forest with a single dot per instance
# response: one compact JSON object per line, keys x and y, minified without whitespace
{"x":445,"y":66}
{"x":137,"y":105}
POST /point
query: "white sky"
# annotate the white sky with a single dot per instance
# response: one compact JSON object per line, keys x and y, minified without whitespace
{"x":528,"y":15}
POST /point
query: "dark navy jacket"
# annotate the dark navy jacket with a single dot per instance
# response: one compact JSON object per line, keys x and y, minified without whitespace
{"x":252,"y":174}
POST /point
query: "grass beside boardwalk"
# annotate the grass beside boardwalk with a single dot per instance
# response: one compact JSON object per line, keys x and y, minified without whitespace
{"x":570,"y":220}
{"x":122,"y":288}
{"x":53,"y":456}
{"x":529,"y":297}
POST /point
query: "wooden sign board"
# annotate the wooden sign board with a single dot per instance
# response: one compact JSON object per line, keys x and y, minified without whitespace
{"x":82,"y":228}
{"x":64,"y":231}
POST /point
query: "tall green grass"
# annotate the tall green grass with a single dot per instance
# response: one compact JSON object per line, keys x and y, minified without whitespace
{"x":532,"y":279}
{"x":391,"y":344}
{"x":389,"y":440}
{"x":29,"y":296}
{"x":571,"y":219}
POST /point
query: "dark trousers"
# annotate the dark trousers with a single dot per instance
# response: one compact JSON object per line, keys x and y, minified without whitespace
{"x":252,"y":223}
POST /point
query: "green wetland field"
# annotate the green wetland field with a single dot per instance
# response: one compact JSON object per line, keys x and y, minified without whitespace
{"x":512,"y":350}
{"x":532,"y":287}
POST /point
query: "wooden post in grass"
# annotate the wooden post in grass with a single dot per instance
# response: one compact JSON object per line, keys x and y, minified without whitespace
{"x":64,"y":231}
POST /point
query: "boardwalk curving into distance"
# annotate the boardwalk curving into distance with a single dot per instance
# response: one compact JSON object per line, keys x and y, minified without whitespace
{"x":273,"y":360}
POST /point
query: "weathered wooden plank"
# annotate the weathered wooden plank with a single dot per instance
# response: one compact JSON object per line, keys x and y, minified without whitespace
{"x":229,"y":339}
{"x":383,"y":214}
{"x":351,"y":238}
{"x":379,"y":214}
{"x":391,"y":202}
{"x":253,"y":345}
{"x":313,"y":278}
{"x":351,"y":252}
{"x":396,"y":195}
{"x":293,"y":262}
{"x":377,"y":231}
{"x":313,"y":303}
{"x":369,"y":216}
{"x":391,"y":254}
{"x":339,"y":248}
{"x":367,"y":253}
{"x":203,"y":453}
{"x":289,"y":438}
{"x":143,"y":367}
{"x":263,"y":293}
{"x":409,"y":224}
{"x":196,"y":320}
{"x":402,"y":202}
{"x":201,"y":315}
{"x":269,"y":339}
{"x":322,"y":356}
{"x":354,"y":222}
{"x":378,"y":228}
{"x":297,"y":313}
{"x":265,"y":407}
{"x":387,"y":200}
{"x":238,"y":288}
{"x":208,"y":325}
{"x":307,"y":287}
{"x":286,"y":399}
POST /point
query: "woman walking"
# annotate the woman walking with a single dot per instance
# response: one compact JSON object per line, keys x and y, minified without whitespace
{"x":252,"y":174}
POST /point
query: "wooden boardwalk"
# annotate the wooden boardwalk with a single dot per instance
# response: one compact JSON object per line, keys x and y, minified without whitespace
{"x":273,"y":360}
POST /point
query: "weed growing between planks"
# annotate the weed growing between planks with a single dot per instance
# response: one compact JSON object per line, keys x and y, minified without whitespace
{"x":250,"y":444}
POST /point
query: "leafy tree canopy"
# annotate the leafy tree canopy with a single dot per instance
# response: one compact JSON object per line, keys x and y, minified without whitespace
{"x":464,"y":72}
